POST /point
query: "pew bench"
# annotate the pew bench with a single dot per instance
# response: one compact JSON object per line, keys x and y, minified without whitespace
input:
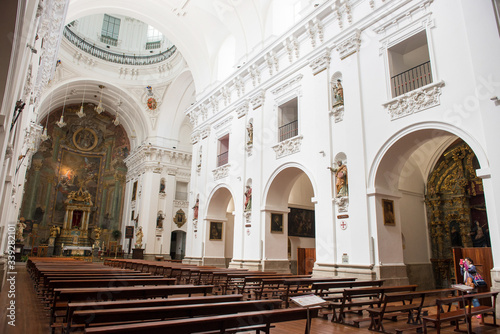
{"x":92,"y":318}
{"x":247,"y":321}
{"x":463,"y":313}
{"x":361,"y":299}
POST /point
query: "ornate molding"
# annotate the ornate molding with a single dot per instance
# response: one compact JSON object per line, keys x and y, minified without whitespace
{"x":415,"y":101}
{"x":239,"y":86}
{"x":291,"y":45}
{"x":162,"y":195}
{"x":255,"y":74}
{"x":223,"y":123}
{"x":315,"y":29}
{"x":242,"y":109}
{"x":205,"y":132}
{"x":195,"y":137}
{"x":321,"y":62}
{"x":350,"y":45}
{"x":221,"y":172}
{"x":51,"y":26}
{"x":408,"y":14}
{"x":272,"y":62}
{"x":338,"y":113}
{"x":258,"y":100}
{"x":181,"y":204}
{"x":287,"y":84}
{"x":287,"y":147}
{"x":342,"y":203}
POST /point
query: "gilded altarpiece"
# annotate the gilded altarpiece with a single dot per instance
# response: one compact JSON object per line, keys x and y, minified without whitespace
{"x":77,"y":178}
{"x":454,"y":201}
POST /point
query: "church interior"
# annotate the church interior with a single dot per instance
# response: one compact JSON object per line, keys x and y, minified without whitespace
{"x":315,"y":139}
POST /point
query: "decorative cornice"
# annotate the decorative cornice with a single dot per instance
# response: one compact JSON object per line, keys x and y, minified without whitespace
{"x":287,"y":147}
{"x":195,"y":137}
{"x":321,"y":63}
{"x":396,"y":20}
{"x":258,"y":99}
{"x":272,"y":62}
{"x":287,"y":84}
{"x":315,"y":29}
{"x":242,"y":109}
{"x":291,"y":45}
{"x":239,"y":86}
{"x":221,"y":172}
{"x":223,"y":123}
{"x":415,"y":101}
{"x":350,"y":45}
{"x":205,"y":132}
{"x":255,"y":74}
{"x":180,"y":204}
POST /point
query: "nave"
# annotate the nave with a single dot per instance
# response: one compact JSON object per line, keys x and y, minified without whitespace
{"x":33,"y":318}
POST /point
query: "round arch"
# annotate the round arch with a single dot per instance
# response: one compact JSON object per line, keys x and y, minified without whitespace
{"x":272,"y":195}
{"x":404,"y":143}
{"x":134,"y":123}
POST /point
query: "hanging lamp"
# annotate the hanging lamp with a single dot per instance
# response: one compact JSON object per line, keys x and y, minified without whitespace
{"x":116,"y":121}
{"x":99,"y":109}
{"x":81,"y":113}
{"x":44,"y":135}
{"x":60,"y":123}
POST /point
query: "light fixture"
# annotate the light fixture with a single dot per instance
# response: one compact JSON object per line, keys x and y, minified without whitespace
{"x":44,"y":135}
{"x":116,"y":121}
{"x":99,"y":109}
{"x":60,"y":123}
{"x":81,"y":113}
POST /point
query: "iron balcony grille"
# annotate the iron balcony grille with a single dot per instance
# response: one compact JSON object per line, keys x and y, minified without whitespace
{"x":411,"y":79}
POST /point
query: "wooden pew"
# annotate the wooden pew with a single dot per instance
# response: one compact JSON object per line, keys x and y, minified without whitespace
{"x":252,"y":284}
{"x":462,"y":314}
{"x":62,"y":297}
{"x":300,"y":286}
{"x":108,"y":317}
{"x":358,"y":300}
{"x":261,"y":320}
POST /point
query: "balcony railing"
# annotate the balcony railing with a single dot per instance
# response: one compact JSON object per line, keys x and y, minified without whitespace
{"x":153,"y":45}
{"x":288,"y":130}
{"x":411,"y":79}
{"x":222,"y":158}
{"x":124,"y":59}
{"x":109,"y":40}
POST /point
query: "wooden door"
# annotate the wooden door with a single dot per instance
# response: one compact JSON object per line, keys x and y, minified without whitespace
{"x":305,"y":260}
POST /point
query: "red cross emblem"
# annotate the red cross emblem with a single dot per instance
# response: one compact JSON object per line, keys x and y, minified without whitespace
{"x":343,"y":225}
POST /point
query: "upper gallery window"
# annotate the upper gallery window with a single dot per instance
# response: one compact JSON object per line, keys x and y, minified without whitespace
{"x":288,"y":122}
{"x":409,"y":64}
{"x":110,"y":30}
{"x":223,"y":151}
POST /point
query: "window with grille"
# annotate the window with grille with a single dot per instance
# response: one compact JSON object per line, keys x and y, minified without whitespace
{"x":288,"y":122}
{"x":409,"y":64}
{"x":110,"y":30}
{"x":223,"y":151}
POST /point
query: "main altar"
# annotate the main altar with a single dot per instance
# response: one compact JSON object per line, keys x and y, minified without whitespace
{"x":76,"y":220}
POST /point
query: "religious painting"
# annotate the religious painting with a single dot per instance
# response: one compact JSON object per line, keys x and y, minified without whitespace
{"x":215,"y":231}
{"x":129,"y":232}
{"x":77,"y":171}
{"x":134,"y":191}
{"x":388,"y":207}
{"x":276,"y":223}
{"x":301,"y":223}
{"x":85,"y":139}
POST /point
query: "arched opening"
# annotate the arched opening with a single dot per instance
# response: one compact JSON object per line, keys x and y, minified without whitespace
{"x":178,"y":245}
{"x":290,"y":223}
{"x":423,"y":228}
{"x":219,"y":229}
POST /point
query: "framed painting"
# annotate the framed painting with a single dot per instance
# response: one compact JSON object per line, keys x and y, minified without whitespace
{"x":301,"y":223}
{"x":276,"y":223}
{"x":215,"y":231}
{"x":388,"y":207}
{"x":134,"y":191}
